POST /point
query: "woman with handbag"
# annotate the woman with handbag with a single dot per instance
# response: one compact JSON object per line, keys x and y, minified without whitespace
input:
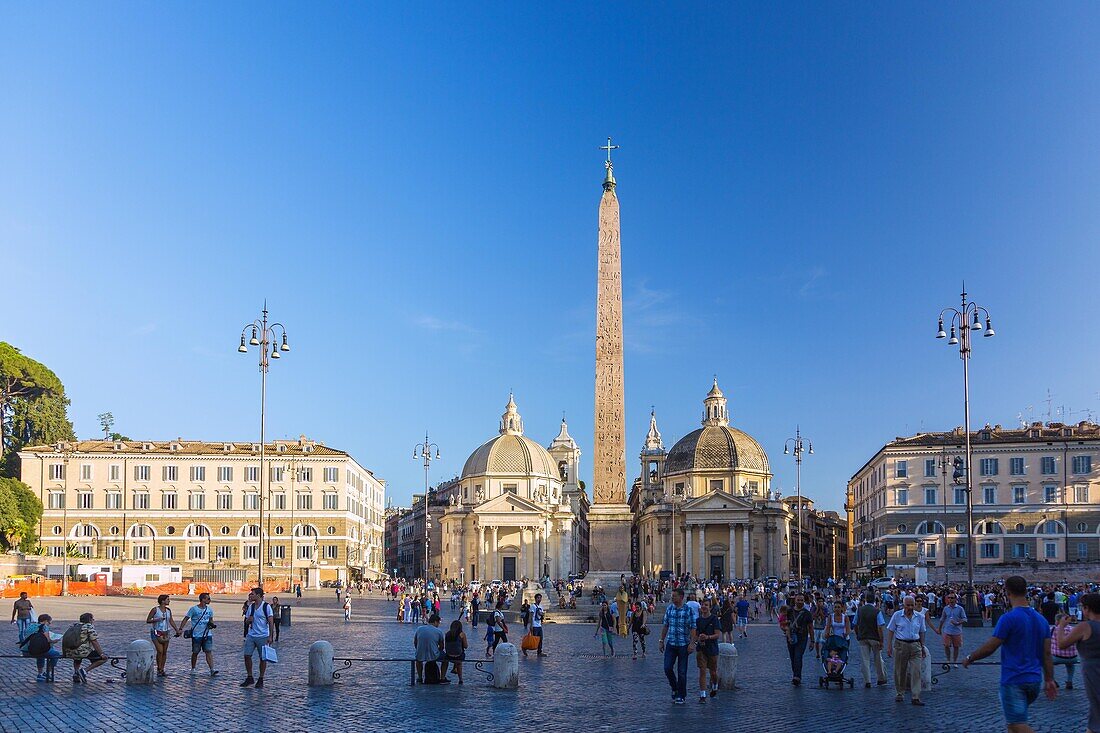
{"x":638,"y":629}
{"x":201,"y":633}
{"x":160,"y":616}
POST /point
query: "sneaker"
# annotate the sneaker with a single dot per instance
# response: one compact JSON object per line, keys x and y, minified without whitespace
{"x":918,"y":701}
{"x":247,"y":681}
{"x":83,"y":677}
{"x":76,"y":679}
{"x":899,"y":698}
{"x":679,"y":701}
{"x":796,"y":681}
{"x":702,"y":697}
{"x":213,"y":672}
{"x":40,"y":678}
{"x":259,"y":683}
{"x":714,"y":691}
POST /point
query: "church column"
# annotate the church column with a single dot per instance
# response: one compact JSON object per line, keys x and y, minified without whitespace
{"x":731,"y":569}
{"x":688,"y":567}
{"x":494,"y":564}
{"x":481,"y":552}
{"x":746,"y":541}
{"x":542,"y":550}
{"x":702,"y":550}
{"x":461,"y":550}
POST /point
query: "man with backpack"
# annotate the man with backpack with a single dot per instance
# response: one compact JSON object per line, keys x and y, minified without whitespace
{"x":259,"y":632}
{"x":499,"y":626}
{"x":39,"y":645}
{"x":80,"y":643}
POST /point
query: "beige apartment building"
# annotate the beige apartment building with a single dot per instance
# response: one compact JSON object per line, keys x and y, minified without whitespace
{"x":1036,"y":500}
{"x":198,"y":505}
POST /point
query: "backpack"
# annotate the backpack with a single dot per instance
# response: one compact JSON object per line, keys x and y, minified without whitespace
{"x":431,"y":673}
{"x":71,"y":639}
{"x":36,"y":645}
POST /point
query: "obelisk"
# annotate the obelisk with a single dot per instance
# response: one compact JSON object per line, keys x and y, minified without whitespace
{"x":609,"y":516}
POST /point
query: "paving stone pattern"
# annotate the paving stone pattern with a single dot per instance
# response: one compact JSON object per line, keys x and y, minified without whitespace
{"x":562,"y":690}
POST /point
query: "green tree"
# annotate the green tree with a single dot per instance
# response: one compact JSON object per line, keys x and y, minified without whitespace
{"x":20,"y":512}
{"x":33,"y":407}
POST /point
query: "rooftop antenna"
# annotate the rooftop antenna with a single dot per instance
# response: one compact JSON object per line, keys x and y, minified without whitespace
{"x":1048,"y":400}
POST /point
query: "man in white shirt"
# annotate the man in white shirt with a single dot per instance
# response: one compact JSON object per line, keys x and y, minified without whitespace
{"x":693,"y":604}
{"x":905,"y":639}
{"x":259,"y":631}
{"x":537,"y":615}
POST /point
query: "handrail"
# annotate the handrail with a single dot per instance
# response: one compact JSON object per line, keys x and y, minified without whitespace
{"x":479,"y":665}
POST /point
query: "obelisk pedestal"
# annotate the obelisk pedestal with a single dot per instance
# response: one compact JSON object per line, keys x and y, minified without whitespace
{"x":609,"y":518}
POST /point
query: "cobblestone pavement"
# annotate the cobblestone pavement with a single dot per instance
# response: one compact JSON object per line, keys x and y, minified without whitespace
{"x":572,"y":687}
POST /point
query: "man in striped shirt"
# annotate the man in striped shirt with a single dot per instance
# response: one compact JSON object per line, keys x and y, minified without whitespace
{"x":679,"y":630}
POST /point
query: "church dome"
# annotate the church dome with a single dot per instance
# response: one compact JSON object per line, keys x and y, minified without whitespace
{"x":511,"y":452}
{"x":716,"y":446}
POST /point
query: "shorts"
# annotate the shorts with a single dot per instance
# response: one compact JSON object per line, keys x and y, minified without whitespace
{"x":742,"y":621}
{"x":202,"y":644}
{"x":253,"y":645}
{"x":1015,"y":700}
{"x":819,"y":636}
{"x":952,"y":640}
{"x":706,"y":661}
{"x":158,"y":638}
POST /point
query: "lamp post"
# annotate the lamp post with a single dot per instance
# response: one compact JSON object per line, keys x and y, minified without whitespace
{"x":423,"y":451}
{"x":292,"y":467}
{"x":944,"y":463}
{"x":797,"y":445}
{"x":264,"y":336}
{"x":674,"y":498}
{"x":965,"y":319}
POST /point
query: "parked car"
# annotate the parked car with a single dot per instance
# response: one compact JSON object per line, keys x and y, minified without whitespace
{"x":882,"y":583}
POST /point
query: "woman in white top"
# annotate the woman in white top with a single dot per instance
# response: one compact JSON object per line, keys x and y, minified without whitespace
{"x":160,"y":616}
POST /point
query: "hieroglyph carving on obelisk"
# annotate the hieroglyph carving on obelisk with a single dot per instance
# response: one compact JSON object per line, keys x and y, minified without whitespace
{"x":609,"y":461}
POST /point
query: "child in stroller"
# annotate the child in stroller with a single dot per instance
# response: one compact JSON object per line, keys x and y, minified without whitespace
{"x":834,"y":659}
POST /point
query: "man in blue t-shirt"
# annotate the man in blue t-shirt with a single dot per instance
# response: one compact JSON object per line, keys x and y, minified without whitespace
{"x":742,"y":607}
{"x":1023,"y":638}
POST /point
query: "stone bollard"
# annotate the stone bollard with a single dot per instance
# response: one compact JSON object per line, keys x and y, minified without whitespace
{"x":506,"y":667}
{"x":140,"y":665}
{"x":727,"y":667}
{"x":320,"y":664}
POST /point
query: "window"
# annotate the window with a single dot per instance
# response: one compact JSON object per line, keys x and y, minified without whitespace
{"x":169,"y":473}
{"x":168,"y":500}
{"x":250,"y":552}
{"x":331,"y":501}
{"x":114,"y":552}
{"x":903,"y":550}
{"x":332,"y":474}
{"x":1082,"y":550}
{"x":196,"y":553}
{"x":251,"y":501}
{"x":989,"y":494}
{"x":305,"y":552}
{"x":279,"y":501}
{"x":225,"y":500}
{"x":198,"y":473}
{"x":57,"y":500}
{"x":84,"y":500}
{"x":930,"y":550}
{"x":1082,"y":464}
{"x":278,"y":552}
{"x":1081,"y":494}
{"x":1047,"y":466}
{"x":57,"y":472}
{"x":330,"y":552}
{"x":929,"y":496}
{"x":305,"y":500}
{"x":225,"y":474}
{"x":1019,"y":550}
{"x":1050,"y":550}
{"x":223,"y":552}
{"x":275,"y":473}
{"x":1019,"y":494}
{"x":305,"y":475}
{"x":1082,"y":527}
{"x":1016,"y":466}
{"x":929,"y":527}
{"x":141,"y":473}
{"x":114,"y":472}
{"x":1050,"y":494}
{"x":168,"y":552}
{"x":141,"y":500}
{"x":991,"y":550}
{"x":929,"y":467}
{"x":252,"y":474}
{"x":196,"y":501}
{"x":989,"y":466}
{"x":902,"y":529}
{"x":141,"y":552}
{"x":85,"y":472}
{"x":903,"y":497}
{"x":1049,"y":527}
{"x":114,"y":499}
{"x":958,"y":550}
{"x":960,"y":496}
{"x":901,"y":469}
{"x":716,"y":485}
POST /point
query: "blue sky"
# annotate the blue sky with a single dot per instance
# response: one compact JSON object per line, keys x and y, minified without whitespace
{"x":414,"y":190}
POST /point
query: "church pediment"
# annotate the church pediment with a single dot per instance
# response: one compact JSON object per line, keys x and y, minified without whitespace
{"x":507,"y":504}
{"x":717,"y":500}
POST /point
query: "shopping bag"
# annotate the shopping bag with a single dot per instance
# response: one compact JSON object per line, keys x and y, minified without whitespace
{"x":268,"y":654}
{"x":529,"y":643}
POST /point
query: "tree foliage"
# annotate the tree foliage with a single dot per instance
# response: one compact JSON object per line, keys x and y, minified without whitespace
{"x":33,"y":407}
{"x":20,"y":512}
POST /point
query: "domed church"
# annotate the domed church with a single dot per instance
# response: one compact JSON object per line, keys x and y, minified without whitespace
{"x":519,"y":511}
{"x":706,"y":506}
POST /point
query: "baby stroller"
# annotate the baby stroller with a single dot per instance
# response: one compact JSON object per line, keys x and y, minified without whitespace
{"x":835,"y":676}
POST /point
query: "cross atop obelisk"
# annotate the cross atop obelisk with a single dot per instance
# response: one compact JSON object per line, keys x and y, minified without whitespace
{"x":609,"y":516}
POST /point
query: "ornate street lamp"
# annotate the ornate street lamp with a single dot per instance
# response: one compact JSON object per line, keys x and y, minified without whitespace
{"x":423,"y":451}
{"x":797,"y":445}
